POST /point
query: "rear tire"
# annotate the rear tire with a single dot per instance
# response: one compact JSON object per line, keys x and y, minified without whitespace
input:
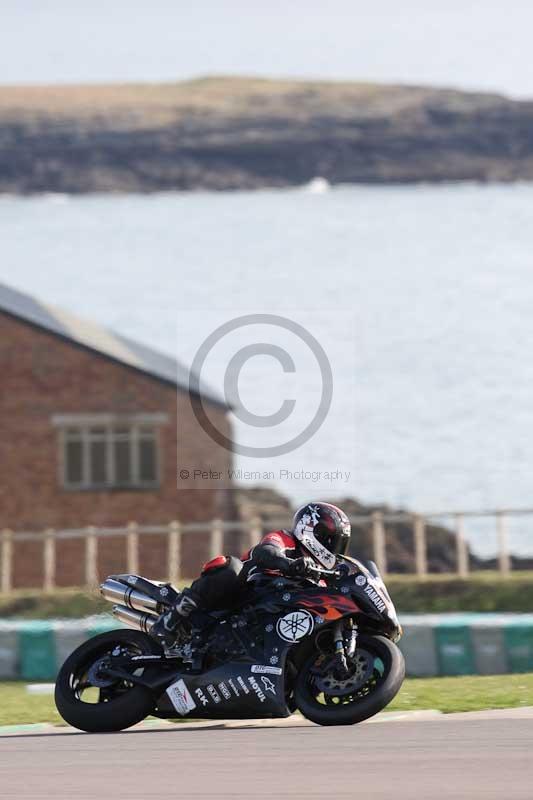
{"x":361,"y":707}
{"x":130,"y":705}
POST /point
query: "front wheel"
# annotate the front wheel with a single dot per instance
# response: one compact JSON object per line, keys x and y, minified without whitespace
{"x":377,"y":671}
{"x":92,"y":701}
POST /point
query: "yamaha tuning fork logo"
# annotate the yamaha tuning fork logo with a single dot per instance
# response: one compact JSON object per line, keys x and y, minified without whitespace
{"x":294,"y":626}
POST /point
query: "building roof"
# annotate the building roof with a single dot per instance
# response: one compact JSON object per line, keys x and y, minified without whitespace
{"x":100,"y":340}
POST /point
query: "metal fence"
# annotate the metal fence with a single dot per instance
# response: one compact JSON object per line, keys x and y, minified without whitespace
{"x":251,"y":532}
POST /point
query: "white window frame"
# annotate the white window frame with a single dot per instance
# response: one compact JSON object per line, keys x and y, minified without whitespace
{"x":109,"y":422}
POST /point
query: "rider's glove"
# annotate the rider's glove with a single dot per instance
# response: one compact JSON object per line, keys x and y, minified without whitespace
{"x":302,"y":567}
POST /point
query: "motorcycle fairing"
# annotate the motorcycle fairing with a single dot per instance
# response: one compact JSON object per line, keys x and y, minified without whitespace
{"x":327,"y":605}
{"x":233,"y":690}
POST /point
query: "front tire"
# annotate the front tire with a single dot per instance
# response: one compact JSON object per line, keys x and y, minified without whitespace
{"x":385,"y":672}
{"x":120,"y":704}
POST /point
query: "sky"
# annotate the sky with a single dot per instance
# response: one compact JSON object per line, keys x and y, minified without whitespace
{"x":472,"y":44}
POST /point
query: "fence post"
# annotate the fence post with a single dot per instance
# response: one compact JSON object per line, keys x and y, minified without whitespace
{"x":91,"y":557}
{"x":216,"y":538}
{"x":132,"y":548}
{"x":174,"y":551}
{"x":378,"y":541}
{"x":6,"y":582}
{"x":504,"y":560}
{"x":255,"y":531}
{"x":49,"y":560}
{"x":419,"y":530}
{"x":461,"y":547}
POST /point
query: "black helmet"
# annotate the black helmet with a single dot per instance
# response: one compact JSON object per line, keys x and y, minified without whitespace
{"x":324,"y":530}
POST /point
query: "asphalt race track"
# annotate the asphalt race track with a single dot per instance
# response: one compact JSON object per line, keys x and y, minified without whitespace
{"x":465,"y":757}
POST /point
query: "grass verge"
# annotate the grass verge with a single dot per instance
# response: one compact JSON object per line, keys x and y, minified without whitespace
{"x":465,"y":693}
{"x":481,"y":592}
{"x":471,"y":693}
{"x":59,"y":604}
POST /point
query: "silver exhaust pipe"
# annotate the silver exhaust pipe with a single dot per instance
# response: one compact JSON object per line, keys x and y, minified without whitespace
{"x":117,"y":592}
{"x":142,"y":622}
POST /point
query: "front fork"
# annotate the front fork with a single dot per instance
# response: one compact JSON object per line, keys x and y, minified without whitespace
{"x":344,"y":644}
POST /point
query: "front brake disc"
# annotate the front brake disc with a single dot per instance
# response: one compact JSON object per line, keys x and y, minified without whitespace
{"x":361,"y":665}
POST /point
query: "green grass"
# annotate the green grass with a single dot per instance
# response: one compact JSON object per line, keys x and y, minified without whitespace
{"x":61,"y":603}
{"x":472,"y":693}
{"x":17,"y":707}
{"x":483,"y":591}
{"x":468,"y":693}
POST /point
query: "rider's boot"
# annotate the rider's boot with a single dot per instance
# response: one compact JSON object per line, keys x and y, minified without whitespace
{"x":166,"y":628}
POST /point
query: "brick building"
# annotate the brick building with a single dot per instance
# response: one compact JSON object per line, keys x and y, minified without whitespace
{"x":88,"y":436}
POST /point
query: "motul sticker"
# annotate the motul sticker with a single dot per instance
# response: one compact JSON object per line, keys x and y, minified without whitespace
{"x":257,"y":689}
{"x":180,"y":697}
{"x":264,"y":668}
{"x":294,"y":626}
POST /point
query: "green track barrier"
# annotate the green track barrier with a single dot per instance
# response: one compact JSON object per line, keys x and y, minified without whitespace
{"x":37,"y":652}
{"x":460,"y":644}
{"x":519,"y":646}
{"x":454,"y":650}
{"x":103,"y":627}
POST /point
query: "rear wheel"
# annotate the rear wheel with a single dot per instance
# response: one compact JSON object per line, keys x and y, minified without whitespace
{"x":92,"y":701}
{"x":376,"y":673}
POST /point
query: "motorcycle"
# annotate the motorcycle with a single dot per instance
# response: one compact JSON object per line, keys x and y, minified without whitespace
{"x":324,"y":646}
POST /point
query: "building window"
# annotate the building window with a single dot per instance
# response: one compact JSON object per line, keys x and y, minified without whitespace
{"x":109,"y":452}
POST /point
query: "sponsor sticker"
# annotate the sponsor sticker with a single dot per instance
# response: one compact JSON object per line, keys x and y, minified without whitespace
{"x":213,"y":692}
{"x":201,"y":697}
{"x":242,"y":684}
{"x":360,"y":580}
{"x":226,"y":694}
{"x":267,"y":683}
{"x":234,"y":688}
{"x":141,"y":658}
{"x":294,"y":626}
{"x":375,"y":598}
{"x":180,"y":697}
{"x":257,"y":689}
{"x":259,"y":668}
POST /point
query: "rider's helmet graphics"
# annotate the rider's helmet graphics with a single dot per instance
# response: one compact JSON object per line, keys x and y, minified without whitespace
{"x":324,"y":530}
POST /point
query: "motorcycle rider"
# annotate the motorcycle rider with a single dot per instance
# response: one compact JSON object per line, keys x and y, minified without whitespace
{"x":320,"y":531}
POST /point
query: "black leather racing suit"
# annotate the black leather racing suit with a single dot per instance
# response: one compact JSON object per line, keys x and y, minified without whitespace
{"x":223,"y":583}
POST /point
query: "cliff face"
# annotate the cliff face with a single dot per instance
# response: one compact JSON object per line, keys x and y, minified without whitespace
{"x":247,"y":133}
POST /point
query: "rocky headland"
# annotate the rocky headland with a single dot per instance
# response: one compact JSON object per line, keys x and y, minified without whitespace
{"x":239,"y":133}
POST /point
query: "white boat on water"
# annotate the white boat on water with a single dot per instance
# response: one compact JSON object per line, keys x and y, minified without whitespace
{"x":318,"y":186}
